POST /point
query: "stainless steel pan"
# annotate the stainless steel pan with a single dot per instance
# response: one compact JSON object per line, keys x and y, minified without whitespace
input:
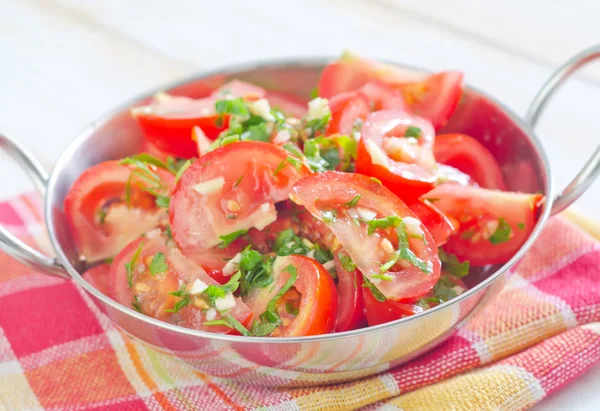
{"x":304,"y":360}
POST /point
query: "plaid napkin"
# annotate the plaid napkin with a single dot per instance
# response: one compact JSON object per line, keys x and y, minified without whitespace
{"x":58,"y":352}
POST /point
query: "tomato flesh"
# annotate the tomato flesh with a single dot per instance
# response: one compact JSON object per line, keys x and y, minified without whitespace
{"x":346,"y":108}
{"x":326,"y":196}
{"x":99,"y":277}
{"x":378,"y":312}
{"x":150,"y":293}
{"x":314,"y":295}
{"x":471,"y":157}
{"x":229,"y":190}
{"x":100,"y":219}
{"x":351,"y":313}
{"x":439,"y":226}
{"x":491,"y":225}
{"x":404,"y":165}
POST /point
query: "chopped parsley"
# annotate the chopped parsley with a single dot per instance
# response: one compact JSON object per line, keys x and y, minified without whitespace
{"x":452,"y":265}
{"x":238,"y":181}
{"x":314,"y":93}
{"x":401,"y":234}
{"x":136,"y":304}
{"x":158,"y":264}
{"x":256,"y":271}
{"x":502,"y":233}
{"x":521,"y":226}
{"x":383,"y":277}
{"x":352,"y":203}
{"x":130,"y":266}
{"x":144,"y":178}
{"x":412,"y":131}
{"x":291,"y":309}
{"x":185,"y":300}
{"x":212,"y":292}
{"x":236,"y":106}
{"x":230,"y":140}
{"x":330,"y":153}
{"x":162,"y":201}
{"x":182,"y":169}
{"x":391,"y":221}
{"x":230,"y":322}
{"x":169,"y":232}
{"x":374,"y":290}
{"x":230,"y":238}
{"x":256,"y":132}
{"x":443,"y":290}
{"x":293,"y":150}
{"x":322,"y":255}
{"x":171,"y":165}
{"x":407,"y":255}
{"x":287,"y":243}
{"x":101,"y":215}
{"x":319,"y":125}
{"x":279,"y":167}
{"x":295,"y":162}
{"x":378,"y":181}
{"x":329,"y":216}
{"x":347,"y":262}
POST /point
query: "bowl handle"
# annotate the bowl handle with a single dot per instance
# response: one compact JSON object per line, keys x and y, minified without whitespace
{"x":591,"y":169}
{"x":10,"y":244}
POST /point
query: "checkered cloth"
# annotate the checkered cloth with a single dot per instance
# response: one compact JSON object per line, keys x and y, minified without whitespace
{"x":58,"y":352}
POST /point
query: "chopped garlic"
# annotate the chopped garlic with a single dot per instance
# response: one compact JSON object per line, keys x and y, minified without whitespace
{"x":308,"y":243}
{"x":141,"y":287}
{"x":329,"y":265}
{"x":153,"y":233}
{"x":268,"y":218}
{"x":265,"y":207}
{"x":141,"y":268}
{"x":378,"y":157}
{"x":317,"y":108}
{"x":211,"y":314}
{"x":366,"y":213}
{"x":282,"y":137}
{"x":387,"y":246}
{"x":375,"y":280}
{"x":233,"y":206}
{"x":210,"y":186}
{"x":262,"y":109}
{"x":232,"y":265}
{"x":225,"y":303}
{"x":413,"y":226}
{"x":311,"y":254}
{"x":458,"y":289}
{"x":197,"y":287}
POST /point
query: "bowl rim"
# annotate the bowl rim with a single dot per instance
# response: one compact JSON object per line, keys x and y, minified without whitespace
{"x":72,"y":147}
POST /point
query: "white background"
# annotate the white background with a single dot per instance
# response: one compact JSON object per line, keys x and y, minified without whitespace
{"x":65,"y":62}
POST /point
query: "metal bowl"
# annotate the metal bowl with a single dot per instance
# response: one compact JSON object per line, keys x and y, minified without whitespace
{"x":314,"y":360}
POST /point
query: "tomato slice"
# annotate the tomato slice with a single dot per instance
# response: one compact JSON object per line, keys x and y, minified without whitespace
{"x":383,"y":312}
{"x":101,"y":221}
{"x":469,"y":156}
{"x":433,"y":97}
{"x":149,"y":148}
{"x":439,"y":226}
{"x":313,"y":295}
{"x":351,"y":313}
{"x":227,"y":192}
{"x":383,"y":97}
{"x":403,"y":164}
{"x":150,"y":292}
{"x":288,"y":104}
{"x":99,"y":277}
{"x":168,"y":121}
{"x":346,"y":108}
{"x":492,"y":225}
{"x":330,"y":197}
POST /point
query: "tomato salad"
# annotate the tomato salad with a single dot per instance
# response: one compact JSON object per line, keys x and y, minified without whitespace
{"x":252,"y":213}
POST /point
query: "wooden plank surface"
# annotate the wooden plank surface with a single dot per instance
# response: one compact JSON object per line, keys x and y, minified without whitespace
{"x":65,"y":62}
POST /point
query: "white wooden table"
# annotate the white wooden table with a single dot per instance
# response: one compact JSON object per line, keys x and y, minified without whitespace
{"x":65,"y":62}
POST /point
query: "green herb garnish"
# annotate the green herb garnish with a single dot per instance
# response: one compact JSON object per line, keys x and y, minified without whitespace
{"x":185,"y":300}
{"x":374,"y":290}
{"x":502,"y":233}
{"x":413,"y":132}
{"x":158,"y":264}
{"x":230,"y":238}
{"x":182,"y":169}
{"x":391,"y":221}
{"x":230,"y":322}
{"x":130,"y":266}
{"x":347,"y":262}
{"x":162,"y":201}
{"x":452,"y":265}
{"x":352,"y":203}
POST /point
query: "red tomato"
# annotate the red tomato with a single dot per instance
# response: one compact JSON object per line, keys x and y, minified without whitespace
{"x":448,"y":174}
{"x":150,"y":293}
{"x":433,"y":97}
{"x":149,"y":148}
{"x":327,"y":196}
{"x":383,"y":312}
{"x":288,"y":104}
{"x":439,"y":226}
{"x":383,"y":97}
{"x":227,"y":191}
{"x":351,"y":313}
{"x":99,"y":277}
{"x":168,"y":121}
{"x":101,"y":221}
{"x":346,"y":108}
{"x":492,"y":225}
{"x":313,"y":295}
{"x":404,"y":165}
{"x":202,"y":142}
{"x":469,"y":156}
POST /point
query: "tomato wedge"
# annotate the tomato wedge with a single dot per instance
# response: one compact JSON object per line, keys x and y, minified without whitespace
{"x":469,"y":156}
{"x":492,"y":225}
{"x":386,"y":151}
{"x":168,"y":121}
{"x":368,"y":221}
{"x":433,"y":97}
{"x":383,"y":312}
{"x":383,"y":97}
{"x":346,"y":108}
{"x":309,"y":307}
{"x":351,"y":313}
{"x":100,"y":219}
{"x":227,"y":192}
{"x":439,"y":226}
{"x":99,"y":277}
{"x":149,"y":286}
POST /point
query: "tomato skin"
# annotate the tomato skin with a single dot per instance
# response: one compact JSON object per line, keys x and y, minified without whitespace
{"x":318,"y":307}
{"x":383,"y":312}
{"x":332,"y":190}
{"x":168,"y":121}
{"x":149,"y":148}
{"x":101,"y":185}
{"x":475,"y":211}
{"x":408,"y":180}
{"x":152,"y":292}
{"x":351,"y":313}
{"x":439,"y":226}
{"x":471,"y":157}
{"x":99,"y":277}
{"x":198,"y":220}
{"x":346,"y":108}
{"x":383,"y":97}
